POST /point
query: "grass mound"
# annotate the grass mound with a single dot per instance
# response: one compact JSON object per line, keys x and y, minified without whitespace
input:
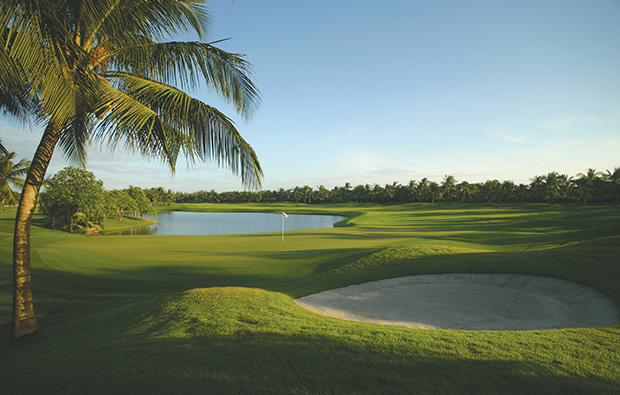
{"x":405,"y":255}
{"x":212,"y":311}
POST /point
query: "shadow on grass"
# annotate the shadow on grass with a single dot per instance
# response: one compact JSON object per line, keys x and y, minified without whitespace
{"x":249,"y":363}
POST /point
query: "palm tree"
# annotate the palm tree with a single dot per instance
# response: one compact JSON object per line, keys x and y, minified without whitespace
{"x":537,"y":186}
{"x":11,"y":174}
{"x":423,"y":189}
{"x":466,"y":190}
{"x":411,"y":190}
{"x":360,"y":192}
{"x":322,"y":194}
{"x":522,"y":192}
{"x":507,"y":190}
{"x":389,"y":192}
{"x":347,"y":192}
{"x":554,"y":186}
{"x":613,"y":178}
{"x":98,"y":71}
{"x":448,"y":186}
{"x":587,"y":184}
{"x":434,"y":191}
{"x":306,"y":193}
{"x":378,"y":193}
{"x":490,"y":190}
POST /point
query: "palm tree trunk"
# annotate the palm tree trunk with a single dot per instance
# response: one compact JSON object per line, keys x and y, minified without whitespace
{"x":24,"y":321}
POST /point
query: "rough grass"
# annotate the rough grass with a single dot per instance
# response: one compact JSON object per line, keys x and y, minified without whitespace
{"x":214,"y":314}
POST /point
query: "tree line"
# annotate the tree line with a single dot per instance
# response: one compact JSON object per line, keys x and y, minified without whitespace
{"x":589,"y":187}
{"x":75,"y":201}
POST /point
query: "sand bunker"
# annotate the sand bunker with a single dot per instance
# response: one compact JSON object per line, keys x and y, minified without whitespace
{"x":498,"y":302}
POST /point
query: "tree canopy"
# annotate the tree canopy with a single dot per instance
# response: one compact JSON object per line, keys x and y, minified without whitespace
{"x":73,"y":199}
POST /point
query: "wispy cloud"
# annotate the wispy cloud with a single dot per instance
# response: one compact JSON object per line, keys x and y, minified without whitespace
{"x":504,"y":137}
{"x":560,"y":124}
{"x":583,"y":121}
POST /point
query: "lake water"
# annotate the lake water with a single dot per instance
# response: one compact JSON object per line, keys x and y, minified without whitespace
{"x":190,"y":223}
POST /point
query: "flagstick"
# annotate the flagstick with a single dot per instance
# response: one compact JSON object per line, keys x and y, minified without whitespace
{"x":283,"y":216}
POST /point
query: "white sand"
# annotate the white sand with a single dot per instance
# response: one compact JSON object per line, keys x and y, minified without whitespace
{"x":498,"y":302}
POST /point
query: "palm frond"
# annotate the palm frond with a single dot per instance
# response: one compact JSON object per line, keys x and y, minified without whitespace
{"x":207,"y":133}
{"x":189,"y":63}
{"x":12,"y":173}
{"x":124,"y":120}
{"x":37,"y":43}
{"x":123,"y":21}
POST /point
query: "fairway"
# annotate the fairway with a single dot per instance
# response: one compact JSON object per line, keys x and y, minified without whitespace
{"x":215,"y":314}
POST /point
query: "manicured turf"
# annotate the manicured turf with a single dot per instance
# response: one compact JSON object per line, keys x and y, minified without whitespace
{"x":214,"y":314}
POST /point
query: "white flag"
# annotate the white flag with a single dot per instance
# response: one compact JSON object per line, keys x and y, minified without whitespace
{"x":285,"y":216}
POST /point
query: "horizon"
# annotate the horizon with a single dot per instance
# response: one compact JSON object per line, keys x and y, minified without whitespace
{"x":371,"y":93}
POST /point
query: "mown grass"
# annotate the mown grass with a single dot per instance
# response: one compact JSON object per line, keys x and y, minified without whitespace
{"x":214,"y":314}
{"x":115,"y":225}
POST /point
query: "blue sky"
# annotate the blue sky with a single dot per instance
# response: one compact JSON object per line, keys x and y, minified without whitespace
{"x":376,"y":92}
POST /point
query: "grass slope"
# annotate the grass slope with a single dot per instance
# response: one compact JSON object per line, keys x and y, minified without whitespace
{"x":214,"y":314}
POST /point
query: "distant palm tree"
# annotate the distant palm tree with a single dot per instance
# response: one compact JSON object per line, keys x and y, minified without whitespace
{"x":434,"y":191}
{"x":307,"y":194}
{"x":491,"y":190}
{"x":466,"y":190}
{"x":448,"y":187}
{"x":99,"y":71}
{"x":360,"y":193}
{"x":554,"y":186}
{"x":378,"y":193}
{"x":390,"y":191}
{"x":423,"y":189}
{"x":11,"y":175}
{"x":613,"y":178}
{"x":411,"y":191}
{"x":507,"y":190}
{"x":537,"y":186}
{"x":322,"y":194}
{"x":587,"y":184}
{"x":347,"y":192}
{"x":522,"y":192}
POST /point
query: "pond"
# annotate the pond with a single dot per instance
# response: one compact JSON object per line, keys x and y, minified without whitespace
{"x":191,"y":223}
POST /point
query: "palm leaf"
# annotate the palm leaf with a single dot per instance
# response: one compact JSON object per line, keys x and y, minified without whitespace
{"x":124,"y":120}
{"x":185,"y":123}
{"x":123,"y":21}
{"x":189,"y":63}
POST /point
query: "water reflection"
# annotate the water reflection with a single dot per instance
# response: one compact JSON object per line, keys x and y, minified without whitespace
{"x":189,"y":223}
